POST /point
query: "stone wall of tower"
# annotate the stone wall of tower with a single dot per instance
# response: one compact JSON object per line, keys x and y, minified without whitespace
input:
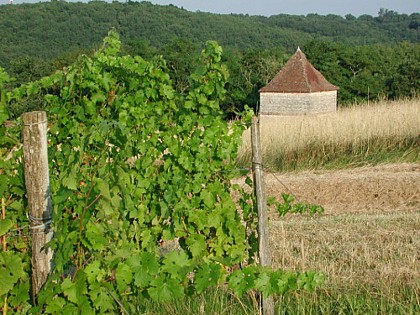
{"x":297,"y":103}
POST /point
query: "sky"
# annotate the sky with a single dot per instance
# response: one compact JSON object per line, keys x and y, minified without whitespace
{"x":296,"y":7}
{"x":293,"y":7}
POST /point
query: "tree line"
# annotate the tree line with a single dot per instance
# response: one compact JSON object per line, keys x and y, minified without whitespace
{"x":367,"y":57}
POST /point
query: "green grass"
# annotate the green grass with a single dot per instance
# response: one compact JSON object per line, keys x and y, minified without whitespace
{"x":216,"y":301}
{"x":357,"y":300}
{"x":324,"y":156}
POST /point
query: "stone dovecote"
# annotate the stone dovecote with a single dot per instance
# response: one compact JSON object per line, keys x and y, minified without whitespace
{"x":298,"y":89}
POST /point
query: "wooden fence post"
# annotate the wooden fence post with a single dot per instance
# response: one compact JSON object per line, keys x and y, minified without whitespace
{"x":37,"y":183}
{"x":259,"y":186}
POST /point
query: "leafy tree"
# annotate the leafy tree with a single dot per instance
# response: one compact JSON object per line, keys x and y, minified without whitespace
{"x":27,"y":69}
{"x":182,"y":57}
{"x":367,"y":72}
{"x":414,"y":25}
{"x":385,"y":14}
{"x":325,"y":57}
{"x":47,"y":29}
{"x":140,"y":47}
{"x":405,"y":81}
{"x":249,"y":72}
{"x":350,"y":17}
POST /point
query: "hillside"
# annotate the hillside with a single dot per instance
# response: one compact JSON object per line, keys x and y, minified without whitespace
{"x":50,"y":29}
{"x":369,"y":58}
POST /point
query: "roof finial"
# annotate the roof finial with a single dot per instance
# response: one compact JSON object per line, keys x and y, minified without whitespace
{"x":298,"y":49}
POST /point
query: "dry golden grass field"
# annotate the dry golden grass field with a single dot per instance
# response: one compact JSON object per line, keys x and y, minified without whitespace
{"x":384,"y":131}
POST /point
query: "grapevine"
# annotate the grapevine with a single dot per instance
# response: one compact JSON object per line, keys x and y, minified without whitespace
{"x":141,"y":187}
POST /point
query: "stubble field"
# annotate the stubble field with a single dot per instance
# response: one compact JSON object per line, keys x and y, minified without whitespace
{"x":366,"y":243}
{"x":362,"y":165}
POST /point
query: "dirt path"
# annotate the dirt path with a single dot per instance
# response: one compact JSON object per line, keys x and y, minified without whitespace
{"x":376,"y":189}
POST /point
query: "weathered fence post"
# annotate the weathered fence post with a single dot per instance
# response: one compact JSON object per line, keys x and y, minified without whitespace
{"x":263,"y":233}
{"x":37,"y":183}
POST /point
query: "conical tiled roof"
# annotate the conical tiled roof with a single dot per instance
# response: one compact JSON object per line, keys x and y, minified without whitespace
{"x":298,"y":76}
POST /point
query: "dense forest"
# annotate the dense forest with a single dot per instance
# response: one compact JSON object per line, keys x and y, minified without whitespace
{"x":367,"y":57}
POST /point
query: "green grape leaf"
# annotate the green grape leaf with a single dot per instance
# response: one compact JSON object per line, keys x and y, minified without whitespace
{"x":106,"y":206}
{"x":70,"y":181}
{"x":241,"y":281}
{"x":103,"y":187}
{"x":207,"y":275}
{"x":197,"y":245}
{"x":5,"y":226}
{"x":236,"y":282}
{"x":284,"y":281}
{"x":55,"y":306}
{"x":263,"y":284}
{"x":124,"y":276}
{"x":310,"y":280}
{"x":150,"y":262}
{"x":4,"y":115}
{"x":103,"y":301}
{"x":164,"y":289}
{"x":20,"y":293}
{"x":174,"y":261}
{"x":95,"y":236}
{"x":144,"y":267}
{"x":141,"y":277}
{"x":11,"y":270}
{"x":69,"y":290}
{"x":94,"y":272}
{"x":3,"y":183}
{"x":207,"y":198}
